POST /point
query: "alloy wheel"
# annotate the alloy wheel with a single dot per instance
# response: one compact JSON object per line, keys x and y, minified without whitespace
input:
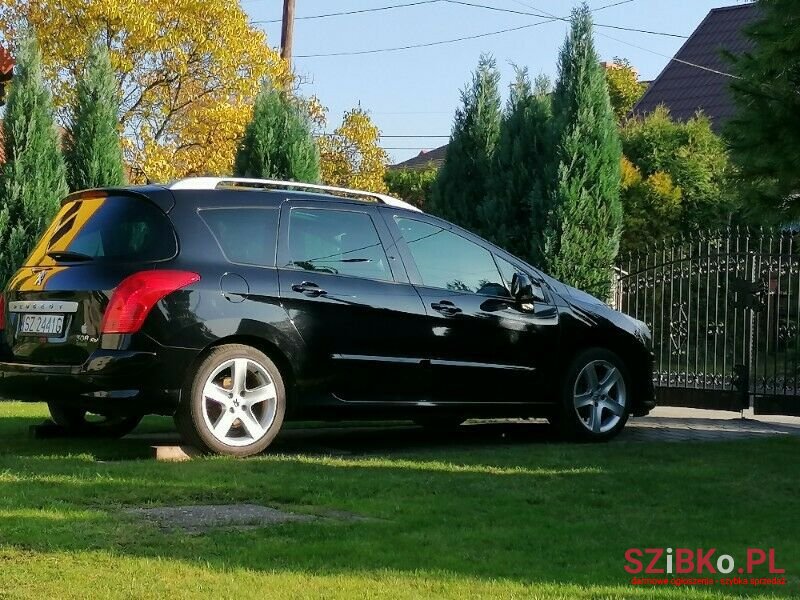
{"x":599,"y":396}
{"x":239,"y":402}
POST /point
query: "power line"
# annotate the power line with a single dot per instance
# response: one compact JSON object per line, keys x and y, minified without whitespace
{"x":605,"y":6}
{"x":551,"y":19}
{"x":670,"y":58}
{"x":417,"y":136}
{"x":599,"y":8}
{"x":355,"y":12}
{"x":530,"y":14}
{"x":426,"y":44}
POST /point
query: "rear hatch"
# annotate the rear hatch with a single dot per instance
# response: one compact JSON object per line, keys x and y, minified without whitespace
{"x":56,"y":300}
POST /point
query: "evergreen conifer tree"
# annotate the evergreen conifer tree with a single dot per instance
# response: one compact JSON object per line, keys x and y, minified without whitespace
{"x":514,"y":212}
{"x":582,"y":238}
{"x":765,"y":133}
{"x":277,"y":142}
{"x":463,"y":181}
{"x":33,"y":179}
{"x":93,"y":150}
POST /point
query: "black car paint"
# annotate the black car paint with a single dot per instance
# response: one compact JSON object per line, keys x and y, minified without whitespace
{"x":363,"y":348}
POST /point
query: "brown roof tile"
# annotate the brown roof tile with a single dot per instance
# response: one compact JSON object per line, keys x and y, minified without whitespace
{"x":424,"y":159}
{"x":685,"y":89}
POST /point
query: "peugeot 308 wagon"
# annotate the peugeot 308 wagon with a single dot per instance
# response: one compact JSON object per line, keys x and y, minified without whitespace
{"x":235,"y":304}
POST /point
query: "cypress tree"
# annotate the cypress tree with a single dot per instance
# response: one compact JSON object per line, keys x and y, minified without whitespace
{"x":514,"y":213}
{"x":582,"y":238}
{"x":765,"y":133}
{"x":463,"y":181}
{"x":33,"y":179}
{"x":277,"y":142}
{"x":93,"y":151}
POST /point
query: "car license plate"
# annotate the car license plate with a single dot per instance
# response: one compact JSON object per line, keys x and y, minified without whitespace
{"x":51,"y":325}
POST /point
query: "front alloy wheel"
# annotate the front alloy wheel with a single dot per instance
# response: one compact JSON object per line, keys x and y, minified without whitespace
{"x":595,"y":402}
{"x":599,"y":396}
{"x":234,"y":404}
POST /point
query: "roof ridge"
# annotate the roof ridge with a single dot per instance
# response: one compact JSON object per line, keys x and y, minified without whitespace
{"x":733,"y":7}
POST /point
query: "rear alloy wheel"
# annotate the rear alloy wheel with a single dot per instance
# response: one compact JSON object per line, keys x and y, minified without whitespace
{"x":79,"y":422}
{"x":235,"y":403}
{"x":595,"y":402}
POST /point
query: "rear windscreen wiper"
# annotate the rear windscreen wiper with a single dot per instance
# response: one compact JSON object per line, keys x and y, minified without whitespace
{"x":67,"y":256}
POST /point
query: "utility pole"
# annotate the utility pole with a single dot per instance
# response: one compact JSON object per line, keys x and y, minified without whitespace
{"x":287,"y":31}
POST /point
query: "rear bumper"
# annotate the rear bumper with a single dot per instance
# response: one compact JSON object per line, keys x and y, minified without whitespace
{"x":119,"y":381}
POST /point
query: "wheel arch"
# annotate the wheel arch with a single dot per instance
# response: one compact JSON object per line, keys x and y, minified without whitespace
{"x":270,"y":347}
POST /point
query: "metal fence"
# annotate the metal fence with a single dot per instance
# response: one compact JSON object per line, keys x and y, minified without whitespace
{"x":724,"y":310}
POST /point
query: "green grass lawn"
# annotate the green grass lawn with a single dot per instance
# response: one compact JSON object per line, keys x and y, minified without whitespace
{"x":487,"y":517}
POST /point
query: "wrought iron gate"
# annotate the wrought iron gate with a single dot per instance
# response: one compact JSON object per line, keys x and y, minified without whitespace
{"x":724,"y":310}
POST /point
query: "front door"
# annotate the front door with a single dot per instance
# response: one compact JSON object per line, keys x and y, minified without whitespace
{"x":351,"y":302}
{"x":484,"y":346}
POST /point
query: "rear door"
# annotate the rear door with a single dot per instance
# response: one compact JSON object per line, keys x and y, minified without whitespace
{"x":55,"y":301}
{"x":482,"y":345}
{"x":350,"y":300}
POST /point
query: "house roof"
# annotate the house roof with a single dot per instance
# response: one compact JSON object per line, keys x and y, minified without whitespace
{"x":433,"y":158}
{"x":684,"y":89}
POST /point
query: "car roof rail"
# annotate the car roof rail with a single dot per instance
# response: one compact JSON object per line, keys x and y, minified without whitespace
{"x":214,"y":183}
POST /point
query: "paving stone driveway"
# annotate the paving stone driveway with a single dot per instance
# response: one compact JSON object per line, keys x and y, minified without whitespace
{"x":669,"y":424}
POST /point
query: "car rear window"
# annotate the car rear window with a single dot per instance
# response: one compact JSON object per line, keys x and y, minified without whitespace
{"x":110,"y":228}
{"x":245,"y":235}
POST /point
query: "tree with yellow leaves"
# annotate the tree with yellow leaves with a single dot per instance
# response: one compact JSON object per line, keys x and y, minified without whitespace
{"x":351,"y":156}
{"x":188,"y":72}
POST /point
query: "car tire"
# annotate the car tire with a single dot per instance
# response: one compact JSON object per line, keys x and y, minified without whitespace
{"x":234,"y":402}
{"x":75,"y":421}
{"x":595,"y":397}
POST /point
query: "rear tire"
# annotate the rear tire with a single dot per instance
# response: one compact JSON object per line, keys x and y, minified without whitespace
{"x":234,"y":404}
{"x":595,"y":397}
{"x":75,"y":421}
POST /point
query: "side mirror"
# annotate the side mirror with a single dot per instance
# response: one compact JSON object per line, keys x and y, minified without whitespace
{"x":524,"y":291}
{"x":521,"y":287}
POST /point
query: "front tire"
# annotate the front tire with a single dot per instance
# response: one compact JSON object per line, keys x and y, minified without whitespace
{"x":78,"y":422}
{"x":595,"y":396}
{"x":234,"y":404}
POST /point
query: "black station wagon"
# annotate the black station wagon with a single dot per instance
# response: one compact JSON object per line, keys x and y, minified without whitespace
{"x":235,"y":304}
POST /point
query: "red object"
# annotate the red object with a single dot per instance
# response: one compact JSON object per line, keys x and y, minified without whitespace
{"x":6,"y":65}
{"x":133,"y":299}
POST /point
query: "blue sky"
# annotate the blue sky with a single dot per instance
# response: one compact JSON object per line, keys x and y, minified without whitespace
{"x":415,"y":92}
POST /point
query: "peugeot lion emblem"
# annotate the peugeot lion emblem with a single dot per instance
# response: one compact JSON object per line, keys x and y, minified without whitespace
{"x":40,"y":277}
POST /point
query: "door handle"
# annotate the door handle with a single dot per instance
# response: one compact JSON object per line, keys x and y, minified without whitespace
{"x":446,"y":307}
{"x":309,"y":289}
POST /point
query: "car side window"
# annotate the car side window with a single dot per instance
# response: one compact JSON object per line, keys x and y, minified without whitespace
{"x":340,"y":242}
{"x":246,"y":235}
{"x":448,"y":261}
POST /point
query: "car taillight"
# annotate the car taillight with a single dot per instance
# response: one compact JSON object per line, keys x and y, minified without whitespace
{"x":138,"y":294}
